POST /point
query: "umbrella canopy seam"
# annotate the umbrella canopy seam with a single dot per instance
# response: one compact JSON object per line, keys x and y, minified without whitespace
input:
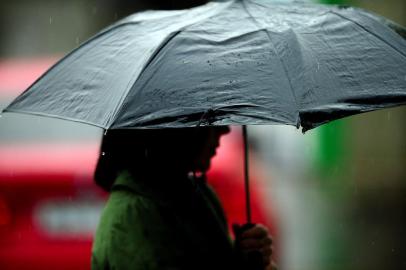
{"x":100,"y":34}
{"x":122,"y":104}
{"x":282,"y":63}
{"x":391,"y":24}
{"x":367,"y":30}
{"x":170,"y":37}
{"x":19,"y":111}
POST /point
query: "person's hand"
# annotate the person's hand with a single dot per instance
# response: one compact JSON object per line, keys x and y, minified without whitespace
{"x":272,"y":266}
{"x":255,"y":238}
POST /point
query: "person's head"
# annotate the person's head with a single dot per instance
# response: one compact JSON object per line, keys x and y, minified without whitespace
{"x":157,"y":151}
{"x":209,"y":140}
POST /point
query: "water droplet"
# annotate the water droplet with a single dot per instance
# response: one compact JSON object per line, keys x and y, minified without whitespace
{"x":103,"y":153}
{"x":50,"y":20}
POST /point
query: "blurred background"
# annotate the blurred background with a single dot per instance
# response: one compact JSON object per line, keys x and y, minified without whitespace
{"x":335,"y":198}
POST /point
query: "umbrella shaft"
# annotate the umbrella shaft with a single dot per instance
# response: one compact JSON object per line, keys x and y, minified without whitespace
{"x":246,"y":175}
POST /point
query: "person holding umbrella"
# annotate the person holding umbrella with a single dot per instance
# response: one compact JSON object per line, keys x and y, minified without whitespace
{"x":300,"y":64}
{"x":161,"y":214}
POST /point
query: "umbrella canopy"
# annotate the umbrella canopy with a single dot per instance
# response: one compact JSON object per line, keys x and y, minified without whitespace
{"x":227,"y":63}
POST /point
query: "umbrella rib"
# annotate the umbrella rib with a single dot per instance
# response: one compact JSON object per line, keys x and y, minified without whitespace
{"x":367,"y":30}
{"x":280,"y":59}
{"x":54,"y":116}
{"x":391,"y":24}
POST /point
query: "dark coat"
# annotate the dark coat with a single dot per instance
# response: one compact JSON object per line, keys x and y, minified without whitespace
{"x":162,"y":224}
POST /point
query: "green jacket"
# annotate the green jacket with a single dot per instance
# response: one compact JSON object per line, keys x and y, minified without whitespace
{"x":162,"y":224}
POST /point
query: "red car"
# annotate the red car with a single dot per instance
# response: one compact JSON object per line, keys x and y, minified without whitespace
{"x":49,"y":205}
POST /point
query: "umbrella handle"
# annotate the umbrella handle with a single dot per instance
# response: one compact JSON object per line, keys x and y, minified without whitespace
{"x":246,"y":175}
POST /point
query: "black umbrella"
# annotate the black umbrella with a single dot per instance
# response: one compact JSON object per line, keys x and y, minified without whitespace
{"x":227,"y":63}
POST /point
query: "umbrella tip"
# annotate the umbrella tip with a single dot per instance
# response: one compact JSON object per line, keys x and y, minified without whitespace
{"x":298,"y":123}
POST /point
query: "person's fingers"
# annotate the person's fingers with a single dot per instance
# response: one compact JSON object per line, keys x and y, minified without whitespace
{"x":266,"y":261}
{"x":266,"y":255}
{"x":267,"y":241}
{"x":257,"y":239}
{"x":255,"y":244}
{"x":258,"y":231}
{"x":251,"y":244}
{"x":271,"y":266}
{"x":267,"y":251}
